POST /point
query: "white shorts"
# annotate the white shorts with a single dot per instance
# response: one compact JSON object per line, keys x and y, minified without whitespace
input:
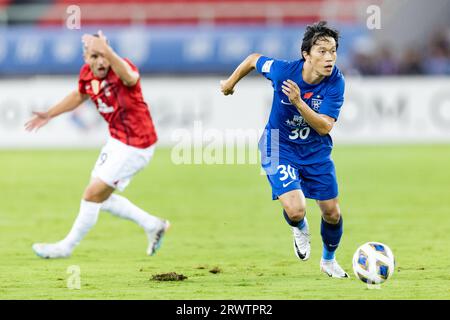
{"x":118,"y":163}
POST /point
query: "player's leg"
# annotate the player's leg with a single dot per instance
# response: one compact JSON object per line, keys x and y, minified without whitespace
{"x":294,"y":207}
{"x":284,"y":179}
{"x":117,"y":165}
{"x":331,"y":230}
{"x":319,"y":182}
{"x":285,"y":182}
{"x":93,"y":197}
{"x":331,"y":227}
{"x":96,"y":192}
{"x":294,"y":211}
{"x":153,"y":226}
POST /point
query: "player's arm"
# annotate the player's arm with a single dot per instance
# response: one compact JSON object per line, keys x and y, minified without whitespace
{"x":319,"y":122}
{"x":123,"y":70}
{"x":69,"y":103}
{"x":227,"y":86}
{"x":120,"y":67}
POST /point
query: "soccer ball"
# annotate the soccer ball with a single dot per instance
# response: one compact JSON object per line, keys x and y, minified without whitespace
{"x":373,"y":263}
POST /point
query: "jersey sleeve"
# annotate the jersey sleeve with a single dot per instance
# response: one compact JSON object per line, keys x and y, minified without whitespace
{"x":81,"y":87}
{"x":271,"y":68}
{"x":133,"y":67}
{"x":333,"y":100}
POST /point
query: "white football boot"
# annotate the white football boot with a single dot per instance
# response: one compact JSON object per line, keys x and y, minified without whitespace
{"x":302,"y":241}
{"x":155,"y":236}
{"x":51,"y":250}
{"x":332,"y":269}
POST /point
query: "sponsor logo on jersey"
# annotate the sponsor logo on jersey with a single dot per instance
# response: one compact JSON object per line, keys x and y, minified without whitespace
{"x":103,"y":107}
{"x":297,"y":122}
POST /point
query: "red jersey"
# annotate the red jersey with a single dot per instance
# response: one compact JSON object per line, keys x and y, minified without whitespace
{"x":122,"y":107}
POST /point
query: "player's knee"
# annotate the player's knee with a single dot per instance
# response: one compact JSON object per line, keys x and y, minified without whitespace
{"x":295,"y":212}
{"x":331,"y":215}
{"x":92,"y":195}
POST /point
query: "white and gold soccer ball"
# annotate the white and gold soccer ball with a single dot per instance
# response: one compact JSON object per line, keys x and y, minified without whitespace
{"x":373,"y":263}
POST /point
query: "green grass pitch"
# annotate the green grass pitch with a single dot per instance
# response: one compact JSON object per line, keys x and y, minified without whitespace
{"x":222,"y":217}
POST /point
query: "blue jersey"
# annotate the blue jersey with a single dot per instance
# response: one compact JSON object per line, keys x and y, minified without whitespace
{"x":296,"y":138}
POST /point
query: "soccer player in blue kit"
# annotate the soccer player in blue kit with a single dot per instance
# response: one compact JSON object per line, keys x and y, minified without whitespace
{"x":296,"y":146}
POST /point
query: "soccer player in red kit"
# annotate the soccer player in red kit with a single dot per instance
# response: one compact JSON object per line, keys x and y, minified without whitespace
{"x":112,"y":83}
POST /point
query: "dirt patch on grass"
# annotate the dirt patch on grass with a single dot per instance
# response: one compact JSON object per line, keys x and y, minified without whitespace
{"x":171,"y":276}
{"x":215,"y":270}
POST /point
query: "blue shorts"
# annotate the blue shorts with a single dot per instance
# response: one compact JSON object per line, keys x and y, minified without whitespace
{"x":317,"y":181}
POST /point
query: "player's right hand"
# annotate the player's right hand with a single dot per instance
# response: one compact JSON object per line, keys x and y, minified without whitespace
{"x":97,"y":43}
{"x":226,"y":88}
{"x":39,"y":120}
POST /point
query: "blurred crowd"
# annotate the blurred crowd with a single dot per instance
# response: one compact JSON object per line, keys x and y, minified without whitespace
{"x":432,"y":57}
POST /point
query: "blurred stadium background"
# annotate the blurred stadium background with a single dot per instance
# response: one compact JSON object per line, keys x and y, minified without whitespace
{"x":191,"y":45}
{"x":397,"y":94}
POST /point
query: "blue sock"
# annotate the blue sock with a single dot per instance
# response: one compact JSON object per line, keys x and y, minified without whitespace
{"x":299,"y":224}
{"x":327,"y":255}
{"x":331,"y":235}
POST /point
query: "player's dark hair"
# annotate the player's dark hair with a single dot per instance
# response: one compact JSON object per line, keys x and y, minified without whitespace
{"x":318,"y":31}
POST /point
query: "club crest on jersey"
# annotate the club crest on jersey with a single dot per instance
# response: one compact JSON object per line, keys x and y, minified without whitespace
{"x":316,"y":102}
{"x":95,"y":84}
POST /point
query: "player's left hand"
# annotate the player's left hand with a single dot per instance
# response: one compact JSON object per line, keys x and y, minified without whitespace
{"x":226,"y":87}
{"x":98,"y":44}
{"x":292,"y":91}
